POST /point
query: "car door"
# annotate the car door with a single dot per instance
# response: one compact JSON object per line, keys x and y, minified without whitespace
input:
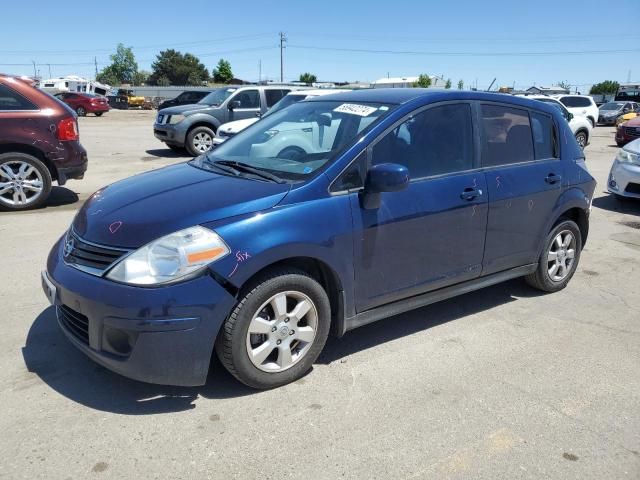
{"x":523,"y":175}
{"x":431,"y":234}
{"x":249,"y":104}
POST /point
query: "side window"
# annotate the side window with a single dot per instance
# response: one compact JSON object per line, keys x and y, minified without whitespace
{"x":544,"y":137}
{"x":352,"y":177}
{"x":10,"y":100}
{"x":507,"y":136}
{"x":248,"y":99}
{"x":273,"y":96}
{"x":436,"y":141}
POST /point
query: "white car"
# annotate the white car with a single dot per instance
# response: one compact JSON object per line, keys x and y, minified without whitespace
{"x":580,"y":125}
{"x":580,"y":106}
{"x":229,"y":129}
{"x":624,"y":178}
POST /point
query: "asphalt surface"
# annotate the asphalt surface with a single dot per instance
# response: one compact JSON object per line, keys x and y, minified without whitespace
{"x":501,"y":383}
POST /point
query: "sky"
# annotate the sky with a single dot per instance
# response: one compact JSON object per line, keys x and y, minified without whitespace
{"x":518,"y":42}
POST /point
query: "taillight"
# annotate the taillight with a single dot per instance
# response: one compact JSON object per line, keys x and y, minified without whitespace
{"x":68,"y":129}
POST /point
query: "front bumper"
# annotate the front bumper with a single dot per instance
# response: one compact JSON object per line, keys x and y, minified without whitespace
{"x":174,"y":134}
{"x":607,"y":120}
{"x":624,"y":179}
{"x":159,"y":335}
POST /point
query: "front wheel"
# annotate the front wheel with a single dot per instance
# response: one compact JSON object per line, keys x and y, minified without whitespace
{"x":99,"y":114}
{"x":199,"y":140}
{"x":81,"y":111}
{"x":276,"y":331}
{"x":559,"y":258}
{"x":581,"y":138}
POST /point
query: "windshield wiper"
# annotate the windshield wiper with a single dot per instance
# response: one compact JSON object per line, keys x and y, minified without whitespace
{"x":244,"y":167}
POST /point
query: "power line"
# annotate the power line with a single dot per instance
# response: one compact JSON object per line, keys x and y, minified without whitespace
{"x":464,"y":54}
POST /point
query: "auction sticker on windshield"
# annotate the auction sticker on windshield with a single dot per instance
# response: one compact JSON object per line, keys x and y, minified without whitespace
{"x":355,"y":109}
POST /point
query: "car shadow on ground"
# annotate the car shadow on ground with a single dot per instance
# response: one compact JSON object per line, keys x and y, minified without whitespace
{"x":629,"y":206}
{"x":50,"y":356}
{"x":60,"y":198}
{"x":167,"y":153}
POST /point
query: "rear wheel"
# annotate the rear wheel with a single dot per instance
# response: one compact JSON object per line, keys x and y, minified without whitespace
{"x":559,"y":258}
{"x":99,"y":114}
{"x":81,"y":111}
{"x":276,"y":331}
{"x":25,"y":182}
{"x":200,"y":140}
{"x":292,"y":153}
{"x":581,"y":138}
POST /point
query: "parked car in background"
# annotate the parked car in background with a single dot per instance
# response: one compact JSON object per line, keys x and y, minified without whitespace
{"x":188,"y":97}
{"x":580,"y":125}
{"x":580,"y":105}
{"x":628,"y":131}
{"x":420,"y":196}
{"x":609,"y":112}
{"x":630,"y":115}
{"x":624,"y":177}
{"x":229,"y":129}
{"x":83,"y":103}
{"x":39,"y":144}
{"x":194,"y":126}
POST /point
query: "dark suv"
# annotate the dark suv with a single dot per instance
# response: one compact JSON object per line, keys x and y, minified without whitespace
{"x":39,"y":143}
{"x":188,"y":97}
{"x":401,"y":198}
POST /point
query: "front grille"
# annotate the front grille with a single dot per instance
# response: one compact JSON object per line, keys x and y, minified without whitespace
{"x":632,"y":131}
{"x":74,"y":322}
{"x":633,"y":188}
{"x":89,"y":257}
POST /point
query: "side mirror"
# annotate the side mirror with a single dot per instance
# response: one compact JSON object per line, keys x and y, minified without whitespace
{"x":385,"y":177}
{"x":233,"y":104}
{"x":570,"y":116}
{"x":259,"y":114}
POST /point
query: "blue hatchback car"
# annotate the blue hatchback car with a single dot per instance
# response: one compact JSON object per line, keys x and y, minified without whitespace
{"x":330,"y":214}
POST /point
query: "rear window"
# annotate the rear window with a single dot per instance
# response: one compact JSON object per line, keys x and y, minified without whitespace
{"x":576,"y":102}
{"x":11,"y":100}
{"x":506,"y":136}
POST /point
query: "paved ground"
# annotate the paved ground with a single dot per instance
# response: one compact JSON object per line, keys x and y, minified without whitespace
{"x":501,"y":383}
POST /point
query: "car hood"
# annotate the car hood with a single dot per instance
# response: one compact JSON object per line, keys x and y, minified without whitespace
{"x":139,"y":209}
{"x":184,"y":109}
{"x":238,"y":125}
{"x":634,"y":122}
{"x":609,"y":113}
{"x":633,"y":147}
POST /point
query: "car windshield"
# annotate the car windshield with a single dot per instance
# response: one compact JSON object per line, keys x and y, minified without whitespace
{"x":611,"y":106}
{"x":218,"y":96}
{"x":296,"y":141}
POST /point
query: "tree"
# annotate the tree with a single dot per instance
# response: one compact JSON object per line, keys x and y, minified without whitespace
{"x":122,"y":69}
{"x":424,"y":81}
{"x":564,"y":84}
{"x":177,"y":69}
{"x":141,"y":77}
{"x":608,"y":87}
{"x":460,"y":85}
{"x":308,"y":77}
{"x":448,"y":83}
{"x":222,"y":73}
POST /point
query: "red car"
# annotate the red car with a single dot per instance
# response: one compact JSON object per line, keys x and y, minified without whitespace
{"x":84,"y":103}
{"x":628,"y":131}
{"x":39,"y":144}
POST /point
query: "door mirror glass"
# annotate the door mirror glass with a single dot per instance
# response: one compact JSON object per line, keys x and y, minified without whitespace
{"x":233,"y":104}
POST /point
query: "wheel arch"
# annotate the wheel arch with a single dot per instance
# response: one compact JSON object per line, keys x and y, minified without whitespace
{"x":30,"y":150}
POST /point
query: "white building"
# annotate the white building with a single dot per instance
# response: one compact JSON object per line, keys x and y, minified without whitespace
{"x":552,"y":90}
{"x":407,"y":82}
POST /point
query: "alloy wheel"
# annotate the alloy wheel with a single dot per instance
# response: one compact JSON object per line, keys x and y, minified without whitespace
{"x":20,"y":183}
{"x":561,"y":256}
{"x":202,"y":142}
{"x":282,"y":331}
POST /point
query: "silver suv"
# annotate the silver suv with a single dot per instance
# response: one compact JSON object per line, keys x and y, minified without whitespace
{"x":194,"y":126}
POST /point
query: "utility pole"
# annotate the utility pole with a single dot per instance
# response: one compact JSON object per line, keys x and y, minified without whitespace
{"x":259,"y":71}
{"x":49,"y":65}
{"x":95,"y":61}
{"x":35,"y":73}
{"x":283,"y":39}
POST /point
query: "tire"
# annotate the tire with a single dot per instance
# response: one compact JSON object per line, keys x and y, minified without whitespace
{"x":199,"y":140}
{"x":292,"y":153}
{"x":271,"y":366}
{"x":582,"y":138}
{"x":99,"y":114}
{"x":81,"y":111}
{"x":25,"y":182}
{"x":542,"y":278}
{"x":176,"y":148}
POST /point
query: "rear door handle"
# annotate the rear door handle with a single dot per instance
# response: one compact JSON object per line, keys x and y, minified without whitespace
{"x":470,"y":193}
{"x":552,"y":178}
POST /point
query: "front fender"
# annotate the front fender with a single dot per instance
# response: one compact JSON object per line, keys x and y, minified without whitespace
{"x":202,"y":118}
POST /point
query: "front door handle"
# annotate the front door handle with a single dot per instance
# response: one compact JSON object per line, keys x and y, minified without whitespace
{"x":470,"y":193}
{"x":552,"y":178}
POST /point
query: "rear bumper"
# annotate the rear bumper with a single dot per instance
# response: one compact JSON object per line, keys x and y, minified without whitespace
{"x":98,"y":108}
{"x":69,"y":159}
{"x":159,"y":335}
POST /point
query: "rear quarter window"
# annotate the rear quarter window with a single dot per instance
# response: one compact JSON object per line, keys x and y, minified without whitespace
{"x":12,"y":100}
{"x":544,"y":136}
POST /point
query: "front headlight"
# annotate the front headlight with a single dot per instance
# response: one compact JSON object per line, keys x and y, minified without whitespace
{"x":169,"y":258}
{"x":177,"y":118}
{"x":626,"y":156}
